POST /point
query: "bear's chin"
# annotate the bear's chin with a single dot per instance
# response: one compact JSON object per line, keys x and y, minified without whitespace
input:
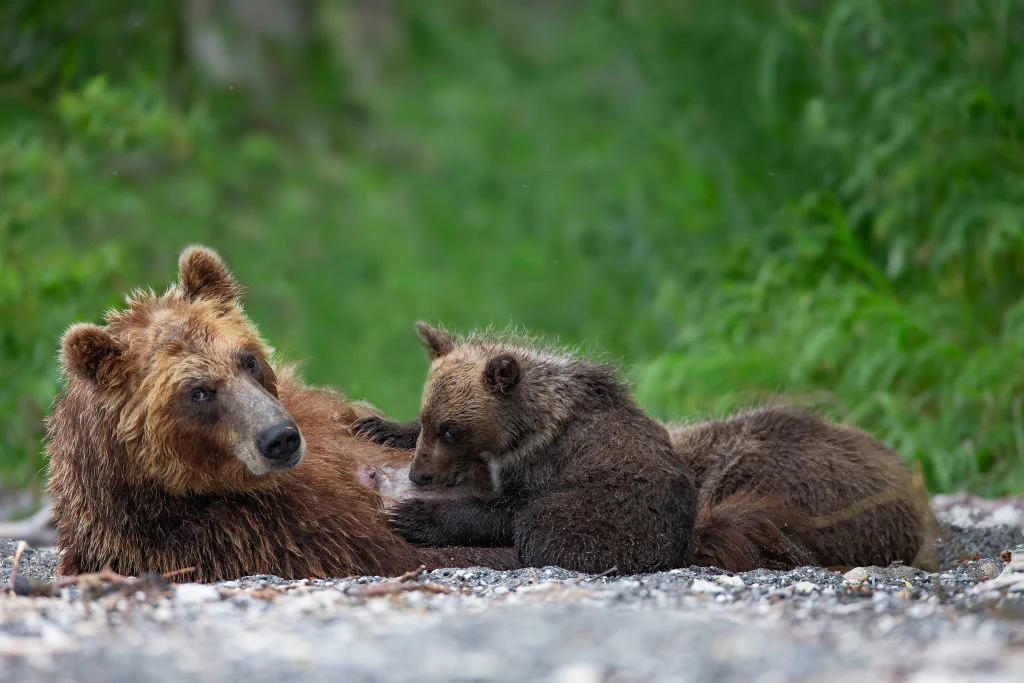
{"x":260,"y":466}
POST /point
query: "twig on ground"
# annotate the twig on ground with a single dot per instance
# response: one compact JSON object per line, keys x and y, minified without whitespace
{"x":178,"y":572}
{"x":605,"y":573}
{"x":92,"y":585}
{"x":108,"y":575}
{"x":107,"y":581}
{"x":970,"y":558}
{"x":399,"y":584}
{"x":16,"y":567}
{"x":272,"y":592}
{"x":105,"y":575}
{"x":395,"y":587}
{"x":413,"y":574}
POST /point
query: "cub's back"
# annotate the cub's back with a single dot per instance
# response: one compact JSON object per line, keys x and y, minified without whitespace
{"x":619,"y":440}
{"x":860,"y":490}
{"x":779,"y":449}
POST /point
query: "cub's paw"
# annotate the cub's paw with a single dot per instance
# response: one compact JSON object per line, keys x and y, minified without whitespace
{"x":384,"y":432}
{"x":371,"y":428}
{"x":418,"y":521}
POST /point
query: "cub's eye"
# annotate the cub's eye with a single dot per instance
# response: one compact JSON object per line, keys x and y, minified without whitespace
{"x":200,"y":395}
{"x":447,"y":434}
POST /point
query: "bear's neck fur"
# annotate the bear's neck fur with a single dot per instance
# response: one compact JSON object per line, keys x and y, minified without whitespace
{"x":316,"y":520}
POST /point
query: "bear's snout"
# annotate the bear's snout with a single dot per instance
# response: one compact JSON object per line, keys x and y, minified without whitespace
{"x":420,"y":478}
{"x":280,"y":442}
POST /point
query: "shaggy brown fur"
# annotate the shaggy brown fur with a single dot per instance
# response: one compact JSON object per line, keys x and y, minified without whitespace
{"x":173,"y":445}
{"x":582,"y":479}
{"x":858,"y":493}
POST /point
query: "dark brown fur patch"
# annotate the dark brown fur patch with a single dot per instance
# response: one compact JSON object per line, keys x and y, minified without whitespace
{"x":855,"y":496}
{"x":747,"y":531}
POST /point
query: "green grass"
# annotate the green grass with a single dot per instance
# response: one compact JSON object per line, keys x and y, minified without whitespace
{"x":821,"y":200}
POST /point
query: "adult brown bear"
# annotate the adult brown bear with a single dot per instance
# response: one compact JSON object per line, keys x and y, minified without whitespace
{"x":177,"y":442}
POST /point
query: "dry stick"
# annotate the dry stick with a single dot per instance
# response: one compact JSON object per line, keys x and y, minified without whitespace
{"x":17,"y":565}
{"x":178,"y":572}
{"x":398,"y":585}
{"x":412,"y":574}
{"x":394,"y":587}
{"x":105,"y":574}
{"x":110,"y":576}
{"x":606,"y":572}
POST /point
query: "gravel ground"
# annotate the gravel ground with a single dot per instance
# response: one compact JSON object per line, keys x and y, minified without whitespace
{"x":810,"y":624}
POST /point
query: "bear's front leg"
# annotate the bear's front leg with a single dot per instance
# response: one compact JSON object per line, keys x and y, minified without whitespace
{"x":468,"y":521}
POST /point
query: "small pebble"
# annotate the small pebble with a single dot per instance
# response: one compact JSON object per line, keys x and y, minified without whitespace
{"x":703,"y":586}
{"x":577,"y":673}
{"x":1006,"y":515}
{"x":195,"y":593}
{"x":989,"y":569}
{"x":856,"y":575}
{"x":733,"y":582}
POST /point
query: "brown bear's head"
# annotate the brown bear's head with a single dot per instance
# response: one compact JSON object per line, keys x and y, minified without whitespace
{"x":186,"y":380}
{"x":469,"y":404}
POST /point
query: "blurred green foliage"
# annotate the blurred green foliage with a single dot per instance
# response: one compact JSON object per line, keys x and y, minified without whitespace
{"x":816,"y":199}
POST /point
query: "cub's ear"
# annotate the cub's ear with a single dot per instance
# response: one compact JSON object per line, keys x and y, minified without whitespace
{"x":204,"y":275}
{"x":88,"y":352}
{"x":438,"y":342}
{"x":502,"y":374}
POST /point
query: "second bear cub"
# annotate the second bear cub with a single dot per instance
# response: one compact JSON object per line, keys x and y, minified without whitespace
{"x":581,"y":477}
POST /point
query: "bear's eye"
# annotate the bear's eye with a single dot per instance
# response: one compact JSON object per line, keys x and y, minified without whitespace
{"x":448,"y":434}
{"x":200,"y":395}
{"x":252,"y":366}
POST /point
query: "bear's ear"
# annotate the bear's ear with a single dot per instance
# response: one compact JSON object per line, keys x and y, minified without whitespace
{"x":88,"y":352}
{"x":204,"y":275}
{"x":438,"y":342}
{"x":502,"y":374}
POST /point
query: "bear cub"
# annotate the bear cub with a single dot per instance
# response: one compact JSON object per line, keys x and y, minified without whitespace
{"x":580,"y":477}
{"x":777,"y":487}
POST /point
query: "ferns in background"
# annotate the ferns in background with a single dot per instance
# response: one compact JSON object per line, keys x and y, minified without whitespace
{"x":821,"y":200}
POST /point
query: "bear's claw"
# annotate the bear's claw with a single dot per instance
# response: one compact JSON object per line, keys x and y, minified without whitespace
{"x":385,"y":433}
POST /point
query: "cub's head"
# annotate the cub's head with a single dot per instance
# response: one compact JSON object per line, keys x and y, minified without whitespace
{"x":184,"y":382}
{"x":470,"y":407}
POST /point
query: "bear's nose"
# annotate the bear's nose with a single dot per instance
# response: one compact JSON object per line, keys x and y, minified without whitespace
{"x":280,"y":441}
{"x":420,"y":478}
